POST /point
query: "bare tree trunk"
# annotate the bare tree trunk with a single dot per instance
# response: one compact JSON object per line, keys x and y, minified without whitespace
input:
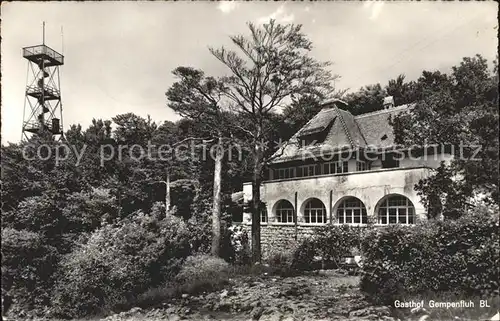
{"x":216,"y":211}
{"x":119,"y":202}
{"x":256,"y":182}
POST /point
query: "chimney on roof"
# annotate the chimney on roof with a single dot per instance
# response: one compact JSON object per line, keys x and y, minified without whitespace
{"x":333,"y":102}
{"x":388,"y":102}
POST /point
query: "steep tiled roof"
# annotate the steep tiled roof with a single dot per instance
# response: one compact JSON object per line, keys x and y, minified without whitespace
{"x":345,"y":131}
{"x":352,"y":128}
{"x":318,"y":123}
{"x":375,"y":125}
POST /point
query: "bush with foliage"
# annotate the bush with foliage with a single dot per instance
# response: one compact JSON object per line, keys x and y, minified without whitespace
{"x":120,"y":261}
{"x":304,"y":255}
{"x":240,"y":244}
{"x":183,"y":193}
{"x":281,"y":262}
{"x":198,"y":273}
{"x":331,"y":244}
{"x":202,"y":273}
{"x":200,"y":228}
{"x":27,"y":268}
{"x":458,"y":256}
{"x":335,"y":242}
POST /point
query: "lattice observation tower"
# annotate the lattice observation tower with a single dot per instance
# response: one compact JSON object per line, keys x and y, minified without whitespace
{"x":43,"y":106}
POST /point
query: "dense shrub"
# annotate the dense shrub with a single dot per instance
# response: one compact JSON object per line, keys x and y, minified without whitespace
{"x":202,"y":273}
{"x":328,"y":247}
{"x":239,"y":240}
{"x":198,"y":273}
{"x":120,"y":261}
{"x":437,"y":256}
{"x":281,"y":262}
{"x":200,"y":231}
{"x":183,"y":193}
{"x":304,"y":256}
{"x":86,"y":210}
{"x":335,"y":242}
{"x":27,"y":268}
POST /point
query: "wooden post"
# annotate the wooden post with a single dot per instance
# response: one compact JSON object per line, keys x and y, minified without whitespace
{"x":167,"y":194}
{"x":296,"y":218}
{"x":331,"y":207}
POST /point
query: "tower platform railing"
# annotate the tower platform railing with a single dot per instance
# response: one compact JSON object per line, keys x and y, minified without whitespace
{"x":35,"y":127}
{"x":49,"y":93}
{"x":39,"y":52}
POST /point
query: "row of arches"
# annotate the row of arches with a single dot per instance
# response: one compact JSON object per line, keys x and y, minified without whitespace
{"x":393,"y":209}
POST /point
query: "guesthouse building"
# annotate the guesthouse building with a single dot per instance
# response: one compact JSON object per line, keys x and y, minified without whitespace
{"x":342,"y":169}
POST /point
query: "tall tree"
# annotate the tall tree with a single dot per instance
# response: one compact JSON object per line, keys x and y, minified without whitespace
{"x":301,"y":110}
{"x":267,"y":69}
{"x":367,"y":99}
{"x":402,"y":92}
{"x":199,"y":98}
{"x":459,"y":110}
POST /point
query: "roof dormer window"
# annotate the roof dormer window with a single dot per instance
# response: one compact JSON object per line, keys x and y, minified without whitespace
{"x":311,"y":140}
{"x":315,"y":132}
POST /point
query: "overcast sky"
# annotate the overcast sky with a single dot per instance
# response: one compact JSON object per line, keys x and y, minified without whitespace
{"x":119,"y":55}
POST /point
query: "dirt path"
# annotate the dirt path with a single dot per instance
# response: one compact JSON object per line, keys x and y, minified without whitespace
{"x":326,"y":296}
{"x":315,"y":297}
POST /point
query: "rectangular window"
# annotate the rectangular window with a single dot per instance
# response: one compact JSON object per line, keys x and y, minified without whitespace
{"x":362,"y":166}
{"x":340,"y":215}
{"x":283,"y":173}
{"x":313,"y":216}
{"x":392,"y":215}
{"x":263,"y":215}
{"x":389,"y":161}
{"x":284,"y":215}
{"x":357,"y":216}
{"x":338,"y":167}
{"x":402,"y":215}
{"x":410,"y":216}
{"x":348,"y":216}
{"x":309,"y":170}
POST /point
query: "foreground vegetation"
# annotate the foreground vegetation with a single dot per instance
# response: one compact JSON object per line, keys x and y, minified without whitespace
{"x":147,"y":262}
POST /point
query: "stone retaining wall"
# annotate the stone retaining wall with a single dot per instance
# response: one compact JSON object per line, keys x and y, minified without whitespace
{"x":281,"y":237}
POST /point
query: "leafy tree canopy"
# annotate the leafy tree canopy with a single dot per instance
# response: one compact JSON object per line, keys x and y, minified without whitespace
{"x":459,"y":110}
